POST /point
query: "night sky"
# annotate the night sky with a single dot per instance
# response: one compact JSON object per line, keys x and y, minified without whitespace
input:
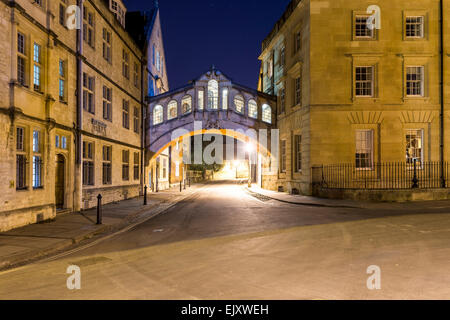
{"x":226,"y":33}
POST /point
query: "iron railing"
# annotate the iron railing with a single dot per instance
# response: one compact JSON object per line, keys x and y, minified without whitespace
{"x":383,"y":176}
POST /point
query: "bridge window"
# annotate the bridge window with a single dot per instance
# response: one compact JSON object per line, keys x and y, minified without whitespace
{"x":239,"y":103}
{"x":158,"y":115}
{"x":201,"y":101}
{"x":186,"y":104}
{"x":224,"y":99}
{"x":172,"y":111}
{"x":253,"y":109}
{"x":266,"y":113}
{"x":213,"y":94}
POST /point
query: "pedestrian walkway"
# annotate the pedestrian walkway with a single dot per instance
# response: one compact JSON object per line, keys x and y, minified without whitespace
{"x":24,"y":244}
{"x":321,"y":202}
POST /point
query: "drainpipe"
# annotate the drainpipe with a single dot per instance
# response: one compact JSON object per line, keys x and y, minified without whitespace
{"x":143,"y":120}
{"x":79,"y":124}
{"x":441,"y":88}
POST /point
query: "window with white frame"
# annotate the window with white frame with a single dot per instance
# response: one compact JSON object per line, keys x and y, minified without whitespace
{"x":361,"y":28}
{"x":158,"y":114}
{"x":415,"y":81}
{"x":239,"y":103}
{"x":364,"y":83}
{"x":213,"y":94}
{"x":136,"y":164}
{"x":224,"y":98}
{"x":266,"y":113}
{"x":364,"y":149}
{"x":252,"y":109}
{"x":414,"y":27}
{"x":414,"y":146}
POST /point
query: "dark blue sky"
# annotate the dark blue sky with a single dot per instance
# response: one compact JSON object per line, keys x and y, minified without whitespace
{"x":226,"y":33}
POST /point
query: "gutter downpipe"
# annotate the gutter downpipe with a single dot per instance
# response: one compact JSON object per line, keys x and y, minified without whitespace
{"x":79,"y":125}
{"x":441,"y":116}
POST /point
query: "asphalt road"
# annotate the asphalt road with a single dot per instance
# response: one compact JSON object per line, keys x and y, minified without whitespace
{"x":222,"y":243}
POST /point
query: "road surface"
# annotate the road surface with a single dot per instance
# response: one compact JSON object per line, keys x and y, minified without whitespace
{"x":223,"y":243}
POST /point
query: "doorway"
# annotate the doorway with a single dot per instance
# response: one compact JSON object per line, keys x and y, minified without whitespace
{"x":60,"y":181}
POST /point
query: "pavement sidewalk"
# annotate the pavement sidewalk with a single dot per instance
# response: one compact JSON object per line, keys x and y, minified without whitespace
{"x":321,"y":202}
{"x":31,"y":242}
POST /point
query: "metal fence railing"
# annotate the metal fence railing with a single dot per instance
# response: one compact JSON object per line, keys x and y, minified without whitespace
{"x":383,"y":176}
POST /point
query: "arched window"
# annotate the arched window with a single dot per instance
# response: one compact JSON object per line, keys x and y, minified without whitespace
{"x":172,"y":111}
{"x":186,"y":104}
{"x":213,"y":94}
{"x":224,"y":98}
{"x":158,"y":115}
{"x":253,"y":109}
{"x":266,"y":113}
{"x":239,"y":103}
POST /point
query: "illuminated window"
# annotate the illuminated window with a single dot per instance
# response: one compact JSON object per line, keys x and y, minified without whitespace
{"x":213,"y":94}
{"x":201,"y":99}
{"x":239,"y":103}
{"x":224,"y":98}
{"x":172,"y":111}
{"x":253,"y":109}
{"x":364,"y":149}
{"x":37,"y":67}
{"x":414,"y":146}
{"x":186,"y":104}
{"x":266,"y":113}
{"x":158,"y":114}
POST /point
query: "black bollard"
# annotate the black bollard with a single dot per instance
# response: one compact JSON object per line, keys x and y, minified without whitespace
{"x":184,"y":180}
{"x":145,"y":195}
{"x":181,"y":187}
{"x":99,"y":209}
{"x":189,"y":180}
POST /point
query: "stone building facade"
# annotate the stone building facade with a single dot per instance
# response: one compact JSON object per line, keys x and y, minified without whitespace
{"x":72,"y":108}
{"x":351,"y":94}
